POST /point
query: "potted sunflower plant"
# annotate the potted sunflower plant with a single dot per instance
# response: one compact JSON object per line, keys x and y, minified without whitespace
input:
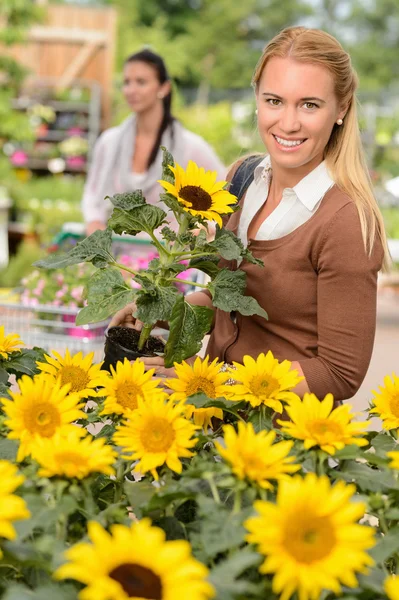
{"x":194,"y":198}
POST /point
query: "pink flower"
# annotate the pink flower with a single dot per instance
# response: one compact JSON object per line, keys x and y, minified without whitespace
{"x":19,"y":157}
{"x":77,"y":292}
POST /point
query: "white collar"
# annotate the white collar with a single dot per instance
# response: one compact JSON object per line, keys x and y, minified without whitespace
{"x":309,"y":190}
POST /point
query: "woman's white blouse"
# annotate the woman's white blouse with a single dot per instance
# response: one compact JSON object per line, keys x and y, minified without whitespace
{"x":297,"y":204}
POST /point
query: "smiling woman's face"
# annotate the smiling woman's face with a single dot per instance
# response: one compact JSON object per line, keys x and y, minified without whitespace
{"x":297,"y":109}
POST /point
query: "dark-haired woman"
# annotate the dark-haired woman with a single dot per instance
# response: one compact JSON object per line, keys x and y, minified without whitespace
{"x":128,"y":157}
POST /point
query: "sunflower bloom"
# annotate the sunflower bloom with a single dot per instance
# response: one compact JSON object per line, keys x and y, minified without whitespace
{"x":316,"y":423}
{"x":253,"y":456}
{"x":197,"y":378}
{"x":310,"y":537}
{"x":9,"y":343}
{"x":126,"y":385}
{"x":386,"y":403}
{"x":199,"y":193}
{"x":12,"y":508}
{"x":42,"y":407}
{"x":133,"y":563}
{"x":394,"y":456}
{"x":73,"y":455}
{"x":156,"y":434}
{"x":391,"y":587}
{"x":264,"y":381}
{"x":79,"y":372}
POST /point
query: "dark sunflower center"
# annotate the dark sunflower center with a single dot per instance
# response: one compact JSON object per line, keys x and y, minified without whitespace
{"x":137,"y":581}
{"x":196,"y":196}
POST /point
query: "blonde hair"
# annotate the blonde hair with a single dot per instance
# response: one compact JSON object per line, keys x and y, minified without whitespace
{"x":344,"y":147}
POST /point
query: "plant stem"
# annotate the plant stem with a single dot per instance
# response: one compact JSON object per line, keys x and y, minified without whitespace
{"x":194,"y":283}
{"x":237,"y":501}
{"x":124,"y":268}
{"x":144,"y":335}
{"x":120,"y":475}
{"x":213,"y":487}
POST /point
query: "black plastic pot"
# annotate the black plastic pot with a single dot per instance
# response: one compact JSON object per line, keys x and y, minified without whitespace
{"x":115,"y":351}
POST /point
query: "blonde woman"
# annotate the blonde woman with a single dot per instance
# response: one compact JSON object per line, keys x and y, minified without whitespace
{"x":310,"y":215}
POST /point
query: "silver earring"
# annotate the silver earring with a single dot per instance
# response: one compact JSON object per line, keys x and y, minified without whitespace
{"x":339,"y":122}
{"x":256,"y":111}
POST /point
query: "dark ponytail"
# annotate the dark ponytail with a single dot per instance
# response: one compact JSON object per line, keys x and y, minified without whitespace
{"x":155,"y":61}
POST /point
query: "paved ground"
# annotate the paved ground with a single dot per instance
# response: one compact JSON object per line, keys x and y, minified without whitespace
{"x":385,"y":359}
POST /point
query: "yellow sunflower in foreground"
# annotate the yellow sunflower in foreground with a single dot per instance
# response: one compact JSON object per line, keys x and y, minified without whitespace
{"x":155,"y":434}
{"x":9,"y":343}
{"x":12,"y":508}
{"x":133,"y":563}
{"x":79,"y":372}
{"x":264,"y":381}
{"x":310,"y":537}
{"x":317,"y":423}
{"x":386,"y":403}
{"x":253,"y":455}
{"x":394,"y":456}
{"x":204,"y":377}
{"x":391,"y":587}
{"x":199,"y":193}
{"x":128,"y":383}
{"x":41,"y":408}
{"x":73,"y":455}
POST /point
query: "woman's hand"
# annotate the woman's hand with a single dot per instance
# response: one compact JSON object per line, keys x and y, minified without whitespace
{"x":125,"y":318}
{"x":158,"y":364}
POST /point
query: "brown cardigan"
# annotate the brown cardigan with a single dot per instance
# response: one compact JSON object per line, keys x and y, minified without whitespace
{"x":318,"y":287}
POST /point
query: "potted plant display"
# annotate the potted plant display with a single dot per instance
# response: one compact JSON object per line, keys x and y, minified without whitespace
{"x":194,"y":198}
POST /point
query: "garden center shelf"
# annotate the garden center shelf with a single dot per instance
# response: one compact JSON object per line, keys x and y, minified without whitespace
{"x":52,"y":328}
{"x":78,"y":116}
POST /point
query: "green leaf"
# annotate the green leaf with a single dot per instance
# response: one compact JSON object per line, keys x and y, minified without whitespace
{"x":392,"y":514}
{"x":228,"y":290}
{"x":386,"y":546}
{"x":221,"y":530}
{"x":366,"y":478}
{"x":383,"y":443}
{"x":128,"y":200}
{"x":4,"y":390}
{"x":230,"y":247}
{"x":139,"y":493}
{"x":374,"y":581}
{"x":172,"y":527}
{"x":95,"y":249}
{"x":206,"y":265}
{"x":50,"y":591}
{"x":201,"y":400}
{"x":261,"y":419}
{"x":349,"y":452}
{"x":188,"y":325}
{"x":107,"y":292}
{"x":3,"y":373}
{"x":156,"y":306}
{"x":24,"y":362}
{"x":144,"y":217}
{"x":226,"y":573}
{"x":8,"y":449}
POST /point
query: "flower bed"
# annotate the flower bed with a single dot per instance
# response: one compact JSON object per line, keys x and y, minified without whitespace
{"x":116,"y":487}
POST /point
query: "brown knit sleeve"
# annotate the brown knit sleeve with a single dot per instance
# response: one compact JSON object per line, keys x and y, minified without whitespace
{"x":346,"y":308}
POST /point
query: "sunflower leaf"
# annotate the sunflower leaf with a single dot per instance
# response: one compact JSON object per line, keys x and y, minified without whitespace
{"x":95,"y":249}
{"x":386,"y":546}
{"x":228,"y":290}
{"x":201,"y":400}
{"x":128,"y":200}
{"x":24,"y":362}
{"x":188,"y":325}
{"x":106,"y":293}
{"x":226,"y":573}
{"x":156,"y":305}
{"x":208,"y":265}
{"x":143,"y":217}
{"x":366,"y":478}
